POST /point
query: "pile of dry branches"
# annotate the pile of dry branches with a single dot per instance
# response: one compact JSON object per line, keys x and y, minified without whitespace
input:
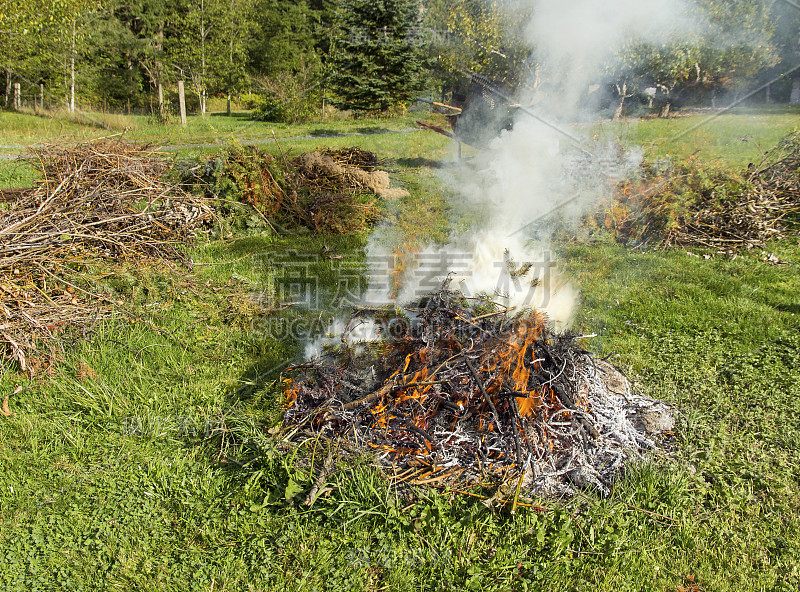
{"x":344,"y":169}
{"x":98,"y":200}
{"x":461,"y":397}
{"x":692,"y":205}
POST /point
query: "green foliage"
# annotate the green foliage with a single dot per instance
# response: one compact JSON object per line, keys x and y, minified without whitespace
{"x":377,"y":58}
{"x":732,"y":44}
{"x":236,"y":26}
{"x":484,"y":37}
{"x":243,"y":179}
{"x":787,"y":25}
{"x":196,"y":44}
{"x":282,"y":59}
{"x":252,"y":101}
{"x":290,"y":97}
{"x":285,"y":39}
{"x":105,"y":75}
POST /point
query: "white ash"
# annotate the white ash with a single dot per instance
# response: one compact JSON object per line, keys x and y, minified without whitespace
{"x":629,"y":425}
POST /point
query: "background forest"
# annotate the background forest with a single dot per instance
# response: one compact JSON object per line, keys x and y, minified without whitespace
{"x":292,"y":60}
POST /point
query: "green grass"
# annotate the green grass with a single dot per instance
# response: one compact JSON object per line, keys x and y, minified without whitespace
{"x":125,"y":467}
{"x":734,"y":138}
{"x":15,"y":174}
{"x":146,"y":462}
{"x":22,"y":129}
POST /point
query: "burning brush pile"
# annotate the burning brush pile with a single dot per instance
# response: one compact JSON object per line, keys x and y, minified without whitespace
{"x":461,"y":394}
{"x":101,"y":200}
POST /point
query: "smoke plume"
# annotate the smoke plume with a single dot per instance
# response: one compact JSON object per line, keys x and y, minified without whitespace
{"x":541,"y":172}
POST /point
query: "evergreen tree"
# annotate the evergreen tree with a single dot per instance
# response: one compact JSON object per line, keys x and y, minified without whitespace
{"x":377,"y":55}
{"x":109,"y":56}
{"x":145,"y":19}
{"x":284,"y":37}
{"x":284,"y":60}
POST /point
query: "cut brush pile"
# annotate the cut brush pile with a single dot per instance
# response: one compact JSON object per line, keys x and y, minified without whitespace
{"x":689,"y":204}
{"x":351,"y":168}
{"x":326,"y":191}
{"x":101,"y":200}
{"x":460,"y":397}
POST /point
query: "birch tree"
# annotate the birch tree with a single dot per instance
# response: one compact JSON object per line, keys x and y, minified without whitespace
{"x":197,"y":44}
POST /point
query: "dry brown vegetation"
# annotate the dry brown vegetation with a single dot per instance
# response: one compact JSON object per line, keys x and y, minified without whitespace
{"x":97,"y":201}
{"x":692,"y":204}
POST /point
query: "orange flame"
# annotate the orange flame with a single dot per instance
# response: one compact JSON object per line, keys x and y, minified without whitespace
{"x":290,"y":392}
{"x":509,"y":358}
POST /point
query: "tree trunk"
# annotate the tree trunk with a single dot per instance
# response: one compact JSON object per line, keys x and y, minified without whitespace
{"x":622,"y":92}
{"x":182,"y":102}
{"x":230,"y":67}
{"x":665,"y":109}
{"x":203,"y":58}
{"x":72,"y":70}
{"x":228,"y":103}
{"x":794,"y":98}
{"x":8,"y":86}
{"x":159,"y":46}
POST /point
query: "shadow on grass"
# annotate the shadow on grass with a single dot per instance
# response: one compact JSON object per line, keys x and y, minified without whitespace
{"x":418,"y":162}
{"x":243,"y":246}
{"x":790,"y":308}
{"x":325,"y":132}
{"x":372,"y":130}
{"x":337,"y":133}
{"x":259,"y":375}
{"x":772,"y":109}
{"x":233,"y":115}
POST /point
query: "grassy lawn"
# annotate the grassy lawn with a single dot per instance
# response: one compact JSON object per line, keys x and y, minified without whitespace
{"x":21,"y":129}
{"x":734,"y":138}
{"x":145,"y":460}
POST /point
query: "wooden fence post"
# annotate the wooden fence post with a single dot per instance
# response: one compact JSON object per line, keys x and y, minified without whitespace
{"x":17,"y":97}
{"x":182,"y":102}
{"x":41,"y":95}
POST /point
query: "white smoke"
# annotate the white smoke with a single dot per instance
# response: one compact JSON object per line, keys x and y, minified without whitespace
{"x":544,"y":168}
{"x":541,"y":170}
{"x":577,"y":41}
